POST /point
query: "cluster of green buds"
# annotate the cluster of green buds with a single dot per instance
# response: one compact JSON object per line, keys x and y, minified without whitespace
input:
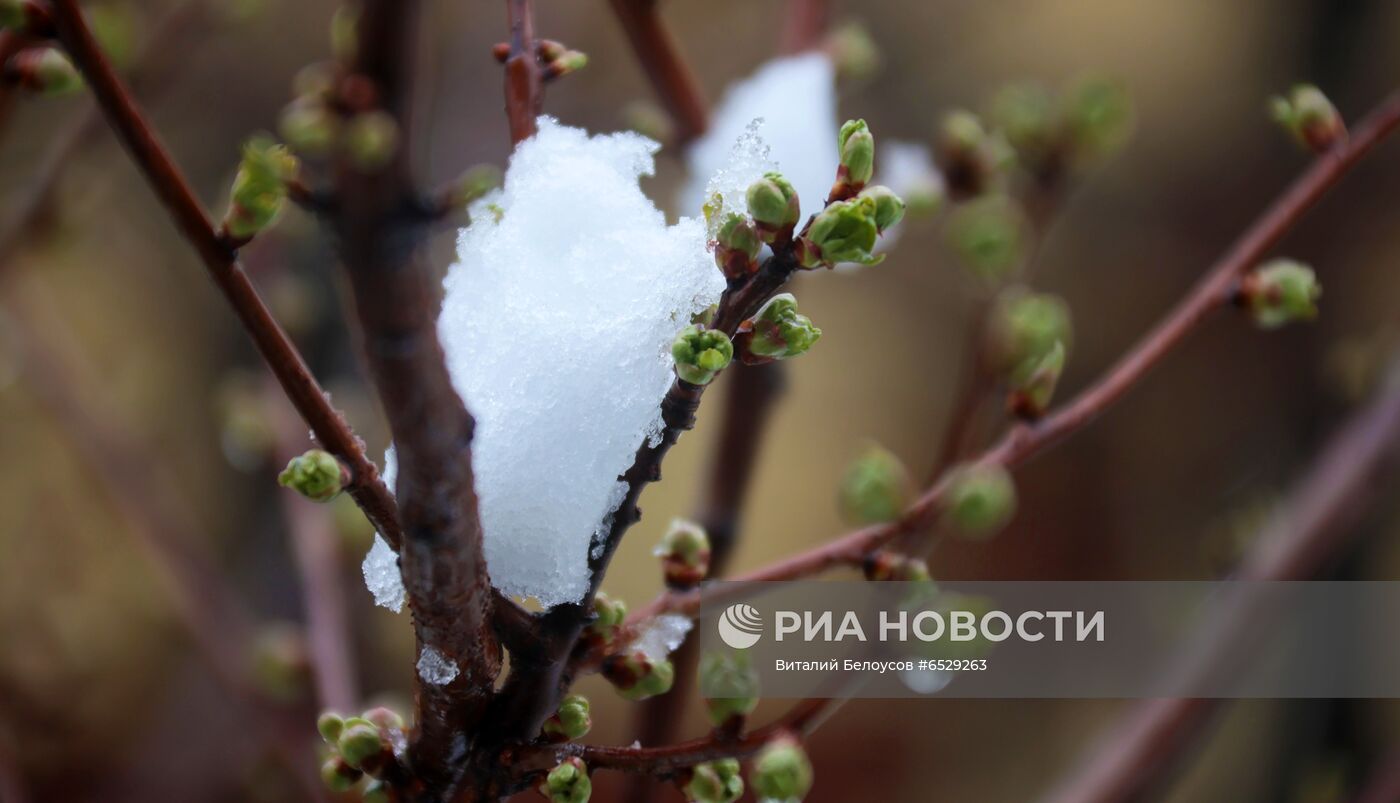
{"x":781,"y":770}
{"x":568,"y":782}
{"x":701,"y":353}
{"x":988,"y":236}
{"x":316,"y":475}
{"x":1280,"y":292}
{"x":685,"y":554}
{"x":876,"y":487}
{"x":855,"y":148}
{"x":1049,"y":132}
{"x":359,"y":746}
{"x":776,"y":332}
{"x":1310,"y":117}
{"x":636,"y":676}
{"x":845,"y":231}
{"x":731,"y":687}
{"x":970,"y":157}
{"x":736,"y":246}
{"x":44,"y":70}
{"x":981,"y":499}
{"x":281,"y":663}
{"x":714,"y":782}
{"x":571,"y":721}
{"x":893,"y":566}
{"x":608,"y":615}
{"x":774,"y":207}
{"x":259,"y":188}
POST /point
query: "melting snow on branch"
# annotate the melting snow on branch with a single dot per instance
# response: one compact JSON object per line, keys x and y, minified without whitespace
{"x":434,"y":668}
{"x":382,"y":578}
{"x":662,"y":636}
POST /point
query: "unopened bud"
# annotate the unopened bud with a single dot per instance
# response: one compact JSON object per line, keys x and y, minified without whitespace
{"x":1099,"y":115}
{"x":259,"y":188}
{"x":737,"y":246}
{"x":970,"y":157}
{"x":637,"y":677}
{"x":1310,"y":117}
{"x":700,"y":354}
{"x":1026,"y":115}
{"x":384,"y":718}
{"x":345,"y":24}
{"x":730,"y":686}
{"x":571,"y":721}
{"x":47,"y":71}
{"x":360,"y":743}
{"x":715,"y":782}
{"x":329,"y":725}
{"x":892,"y":566}
{"x":777,"y":332}
{"x":308,"y":126}
{"x":844,"y":231}
{"x":475,"y":183}
{"x":781,"y":771}
{"x":1033,"y":389}
{"x":567,"y":62}
{"x":1281,"y":292}
{"x":315,"y":81}
{"x":371,"y":140}
{"x":685,"y":554}
{"x":338,"y":775}
{"x":568,"y":782}
{"x":773,"y":205}
{"x":876,"y":487}
{"x":609,"y":613}
{"x":856,"y":146}
{"x":988,"y":235}
{"x":854,"y":52}
{"x":889,"y":208}
{"x":1023,"y":327}
{"x":981,"y":499}
{"x":316,"y":475}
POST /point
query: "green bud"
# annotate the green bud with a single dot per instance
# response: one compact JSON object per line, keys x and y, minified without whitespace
{"x":568,"y":782}
{"x":776,"y":332}
{"x":308,"y":126}
{"x":684,"y":553}
{"x":315,"y":475}
{"x":854,"y":52}
{"x":565,"y":63}
{"x":700,"y":354}
{"x":609,"y":613}
{"x":649,"y":120}
{"x":1026,"y":115}
{"x":384,"y":718}
{"x":339,"y":776}
{"x":970,"y":157}
{"x":259,"y":188}
{"x":571,"y":721}
{"x":360,"y":742}
{"x":773,"y":205}
{"x":876,"y":487}
{"x":737,"y":246}
{"x":1099,"y":115}
{"x":371,"y":140}
{"x":329,"y":725}
{"x":1310,"y":117}
{"x":730,"y":686}
{"x":781,"y":770}
{"x":844,"y":231}
{"x":475,"y":183}
{"x":1280,"y":292}
{"x":856,"y":146}
{"x":715,"y":782}
{"x":889,"y":208}
{"x":50,"y":72}
{"x":637,"y":677}
{"x":981,"y":499}
{"x":1033,"y":389}
{"x":315,"y":81}
{"x":988,"y":235}
{"x":1023,"y":327}
{"x":345,"y":23}
{"x":892,"y":566}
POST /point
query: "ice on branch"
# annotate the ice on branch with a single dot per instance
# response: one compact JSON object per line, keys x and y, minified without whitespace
{"x":434,"y":668}
{"x":662,"y":636}
{"x":557,"y":324}
{"x":794,"y":99}
{"x":382,"y":578}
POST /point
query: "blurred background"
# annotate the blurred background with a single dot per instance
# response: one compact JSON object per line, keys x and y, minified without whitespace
{"x":136,"y":420}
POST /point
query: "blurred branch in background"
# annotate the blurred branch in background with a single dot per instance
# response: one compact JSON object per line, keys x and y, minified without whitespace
{"x":672,"y":79}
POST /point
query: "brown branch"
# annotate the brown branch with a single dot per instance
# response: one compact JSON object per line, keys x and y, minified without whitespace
{"x":804,"y":25}
{"x":1301,"y":538}
{"x":524,"y":95}
{"x":670,"y":76}
{"x":176,"y":195}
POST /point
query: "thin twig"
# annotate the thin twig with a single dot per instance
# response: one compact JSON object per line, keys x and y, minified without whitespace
{"x":524,"y":96}
{"x":661,"y":59}
{"x":804,"y":25}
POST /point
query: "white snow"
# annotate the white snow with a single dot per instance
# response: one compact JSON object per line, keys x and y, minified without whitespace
{"x":662,"y":636}
{"x":795,"y":100}
{"x":434,"y":668}
{"x":557,"y":324}
{"x":382,"y":578}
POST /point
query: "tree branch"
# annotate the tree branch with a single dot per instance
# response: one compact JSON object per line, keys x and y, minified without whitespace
{"x":805,"y":24}
{"x":661,"y":60}
{"x":524,"y":96}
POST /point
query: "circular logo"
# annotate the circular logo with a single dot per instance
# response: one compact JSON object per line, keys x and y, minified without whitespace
{"x":740,"y":626}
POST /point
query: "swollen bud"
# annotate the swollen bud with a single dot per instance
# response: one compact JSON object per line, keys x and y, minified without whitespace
{"x":856,"y":146}
{"x":889,"y":208}
{"x":684,"y":553}
{"x":774,"y":207}
{"x":988,"y":236}
{"x":476,"y":182}
{"x":316,"y":475}
{"x":715,"y":782}
{"x":386,"y":719}
{"x":609,"y":614}
{"x":969,"y":156}
{"x":329,"y":725}
{"x":700,"y":354}
{"x":371,"y":140}
{"x":737,"y":246}
{"x":853,"y":51}
{"x":981,"y":499}
{"x":1026,"y":115}
{"x":339,"y":776}
{"x":1098,"y":116}
{"x":1310,"y":117}
{"x":1035,"y":384}
{"x":259,"y":188}
{"x":1280,"y":292}
{"x":47,"y":71}
{"x":568,"y":782}
{"x":781,"y":771}
{"x":730,"y":685}
{"x":309,"y":126}
{"x":637,"y":677}
{"x":778,"y":331}
{"x":1023,"y":327}
{"x":564,"y":63}
{"x":844,"y":231}
{"x":360,"y":743}
{"x":571,"y":721}
{"x":876,"y":487}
